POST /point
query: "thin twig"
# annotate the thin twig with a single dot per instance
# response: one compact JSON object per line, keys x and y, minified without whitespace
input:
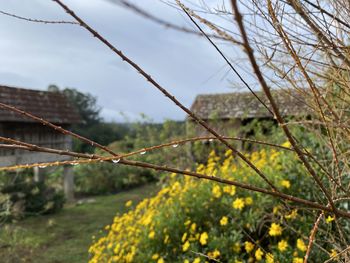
{"x":88,"y":158}
{"x":167,"y":24}
{"x":338,"y":254}
{"x":312,"y":237}
{"x":38,"y":20}
{"x":189,"y":13}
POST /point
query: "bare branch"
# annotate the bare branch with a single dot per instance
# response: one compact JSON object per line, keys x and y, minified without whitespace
{"x":38,"y":20}
{"x":96,"y":158}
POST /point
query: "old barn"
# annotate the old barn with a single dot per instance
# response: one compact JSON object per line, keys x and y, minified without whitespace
{"x":229,"y":111}
{"x":51,"y":106}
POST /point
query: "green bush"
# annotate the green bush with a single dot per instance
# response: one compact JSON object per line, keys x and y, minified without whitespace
{"x":192,"y":220}
{"x":21,"y":198}
{"x":103,"y":178}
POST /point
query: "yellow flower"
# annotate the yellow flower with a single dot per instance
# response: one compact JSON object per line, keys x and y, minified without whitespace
{"x":269,"y":258}
{"x":231,"y":190}
{"x":224,"y":221}
{"x":128,"y":203}
{"x":333,"y":253}
{"x":292,"y":215}
{"x":216,"y":191}
{"x":166,"y":239}
{"x":275,"y":230}
{"x":259,"y":254}
{"x":238,"y":204}
{"x":193,"y":227}
{"x":196,"y":260}
{"x":151,"y":234}
{"x":329,"y":219}
{"x":249,"y":246}
{"x":282,"y":245}
{"x":248,"y":200}
{"x":188,"y":222}
{"x":185,"y":246}
{"x":301,"y":245}
{"x":298,"y":260}
{"x":155,"y":256}
{"x":212,"y":154}
{"x":186,"y":261}
{"x":203,"y":239}
{"x":285,"y":183}
{"x":273,"y":155}
{"x":275,"y":209}
{"x":215,"y":254}
{"x":184,"y":236}
{"x":161,"y":260}
{"x":286,"y":144}
{"x":236,"y":247}
{"x":228,"y":152}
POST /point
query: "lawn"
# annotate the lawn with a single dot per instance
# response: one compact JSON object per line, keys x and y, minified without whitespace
{"x":65,"y":236}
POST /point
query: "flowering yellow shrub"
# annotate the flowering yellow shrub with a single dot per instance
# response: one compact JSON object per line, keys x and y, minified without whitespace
{"x":193,"y":220}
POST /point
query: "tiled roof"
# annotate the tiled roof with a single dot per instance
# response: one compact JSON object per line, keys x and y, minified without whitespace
{"x":51,"y":106}
{"x":241,"y":105}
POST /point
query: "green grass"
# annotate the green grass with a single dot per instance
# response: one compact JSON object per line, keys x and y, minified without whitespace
{"x":67,"y":235}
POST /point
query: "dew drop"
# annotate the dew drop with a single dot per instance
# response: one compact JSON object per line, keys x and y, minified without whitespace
{"x":116,"y":160}
{"x":143,"y":152}
{"x":175,"y":145}
{"x":211,"y":140}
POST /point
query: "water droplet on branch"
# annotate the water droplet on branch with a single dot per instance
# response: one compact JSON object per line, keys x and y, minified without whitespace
{"x":116,"y":160}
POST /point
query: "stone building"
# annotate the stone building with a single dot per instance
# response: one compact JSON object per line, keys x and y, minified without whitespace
{"x":51,"y":106}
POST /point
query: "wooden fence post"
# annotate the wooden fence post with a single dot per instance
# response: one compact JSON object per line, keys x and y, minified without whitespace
{"x":39,"y":174}
{"x":68,"y":183}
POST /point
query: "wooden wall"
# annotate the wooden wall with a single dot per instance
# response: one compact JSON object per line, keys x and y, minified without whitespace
{"x":33,"y":133}
{"x":225,"y":127}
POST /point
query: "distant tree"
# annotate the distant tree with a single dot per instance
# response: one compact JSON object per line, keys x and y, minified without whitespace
{"x":92,"y":125}
{"x":85,"y":103}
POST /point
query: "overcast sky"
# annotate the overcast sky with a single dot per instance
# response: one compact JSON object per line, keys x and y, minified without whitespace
{"x":36,"y":55}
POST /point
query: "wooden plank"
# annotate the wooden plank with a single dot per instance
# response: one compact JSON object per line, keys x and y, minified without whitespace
{"x":68,"y":183}
{"x":30,"y":158}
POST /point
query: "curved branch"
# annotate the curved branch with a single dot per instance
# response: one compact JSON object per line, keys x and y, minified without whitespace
{"x":96,"y":158}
